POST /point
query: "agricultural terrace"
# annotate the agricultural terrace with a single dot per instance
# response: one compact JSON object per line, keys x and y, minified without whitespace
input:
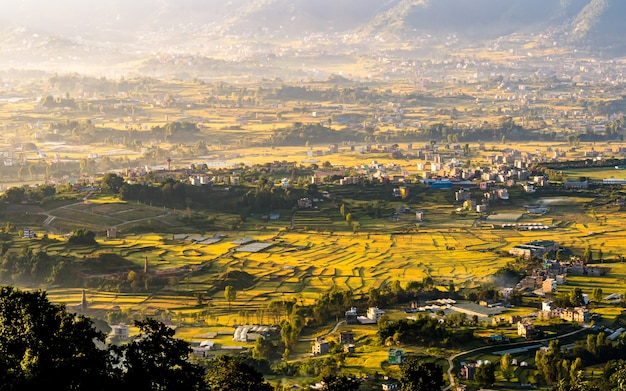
{"x":321,"y":251}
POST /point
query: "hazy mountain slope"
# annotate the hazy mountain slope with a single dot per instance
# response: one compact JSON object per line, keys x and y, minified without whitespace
{"x":600,"y":23}
{"x":476,"y":19}
{"x":302,"y":17}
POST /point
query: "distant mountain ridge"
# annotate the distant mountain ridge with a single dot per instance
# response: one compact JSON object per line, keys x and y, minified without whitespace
{"x":583,"y":21}
{"x":121,"y":31}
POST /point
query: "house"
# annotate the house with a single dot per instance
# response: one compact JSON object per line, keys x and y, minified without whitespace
{"x":578,"y":314}
{"x":304,"y":203}
{"x":120,"y":332}
{"x":525,"y":329}
{"x":28,"y":233}
{"x":396,"y":356}
{"x":320,"y":346}
{"x":350,"y":348}
{"x":112,"y":233}
{"x":346,"y":337}
{"x":351,"y":316}
{"x":391,"y":386}
{"x":373,"y":313}
{"x":535,"y":248}
{"x":548,"y":285}
{"x":468,"y":371}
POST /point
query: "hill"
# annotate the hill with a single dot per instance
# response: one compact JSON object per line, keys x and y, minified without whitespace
{"x":116,"y":32}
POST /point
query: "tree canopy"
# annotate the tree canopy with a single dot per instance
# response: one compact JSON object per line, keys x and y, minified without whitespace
{"x":44,"y":346}
{"x":421,"y":376}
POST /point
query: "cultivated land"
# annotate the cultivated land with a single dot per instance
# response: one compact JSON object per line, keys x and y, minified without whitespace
{"x":308,"y":250}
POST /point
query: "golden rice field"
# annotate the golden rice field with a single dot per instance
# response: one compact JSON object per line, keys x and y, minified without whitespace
{"x":303,"y":264}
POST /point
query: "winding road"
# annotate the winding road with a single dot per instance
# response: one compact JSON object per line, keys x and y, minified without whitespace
{"x":454,"y":357}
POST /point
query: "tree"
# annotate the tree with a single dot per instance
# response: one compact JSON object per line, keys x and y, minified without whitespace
{"x":228,"y":373}
{"x":576,"y":297}
{"x":597,"y":294}
{"x":230,"y":294}
{"x":112,"y":182}
{"x":158,"y":361}
{"x":587,"y":255}
{"x":505,"y":366}
{"x":421,"y":376}
{"x":349,"y":218}
{"x":14,"y":195}
{"x":42,"y":346}
{"x":485,"y":375}
{"x":82,"y":236}
{"x":339,"y":383}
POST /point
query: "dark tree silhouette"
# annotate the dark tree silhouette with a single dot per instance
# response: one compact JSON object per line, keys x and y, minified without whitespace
{"x":421,"y":376}
{"x":227,"y":373}
{"x":42,"y":346}
{"x":158,"y":361}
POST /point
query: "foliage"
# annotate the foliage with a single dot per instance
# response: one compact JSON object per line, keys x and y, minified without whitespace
{"x":157,"y":361}
{"x":112,"y":182}
{"x":421,"y":376}
{"x":228,"y":373}
{"x":44,"y":346}
{"x":82,"y":236}
{"x":339,"y":383}
{"x":485,"y":375}
{"x":424,"y":330}
{"x":505,"y":366}
{"x":332,"y":304}
{"x":230,"y":294}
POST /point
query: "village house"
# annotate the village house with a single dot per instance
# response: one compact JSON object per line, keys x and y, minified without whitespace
{"x":346,"y":337}
{"x":525,"y":329}
{"x":373,"y":313}
{"x":320,"y":346}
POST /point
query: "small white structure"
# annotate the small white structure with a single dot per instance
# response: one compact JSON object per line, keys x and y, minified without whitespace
{"x":120,"y":332}
{"x":373,"y":313}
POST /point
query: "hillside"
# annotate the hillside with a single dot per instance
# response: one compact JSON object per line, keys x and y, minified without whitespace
{"x":117,"y":32}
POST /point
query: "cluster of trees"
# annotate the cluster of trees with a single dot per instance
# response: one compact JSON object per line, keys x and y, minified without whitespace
{"x":424,"y":330}
{"x":28,"y":266}
{"x":394,"y":293}
{"x":564,"y":369}
{"x":17,"y":195}
{"x":45,"y":346}
{"x":300,"y":134}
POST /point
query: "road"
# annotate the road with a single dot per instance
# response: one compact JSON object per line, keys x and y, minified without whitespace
{"x":454,"y":357}
{"x":340,"y":323}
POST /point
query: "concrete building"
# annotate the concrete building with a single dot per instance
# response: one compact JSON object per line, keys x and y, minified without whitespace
{"x":373,"y":313}
{"x":320,"y":346}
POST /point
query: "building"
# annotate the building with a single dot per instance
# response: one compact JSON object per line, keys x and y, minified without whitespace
{"x":468,"y":371}
{"x":346,"y":337}
{"x":548,"y":285}
{"x":525,"y":329}
{"x":120,"y":332}
{"x":112,"y":233}
{"x":396,"y":356}
{"x":373,"y":313}
{"x":28,"y":233}
{"x":536,"y":249}
{"x":320,"y":346}
{"x":351,"y":316}
{"x":578,"y":314}
{"x":391,"y":386}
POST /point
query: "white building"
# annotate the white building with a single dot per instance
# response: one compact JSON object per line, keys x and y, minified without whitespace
{"x":374,"y":313}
